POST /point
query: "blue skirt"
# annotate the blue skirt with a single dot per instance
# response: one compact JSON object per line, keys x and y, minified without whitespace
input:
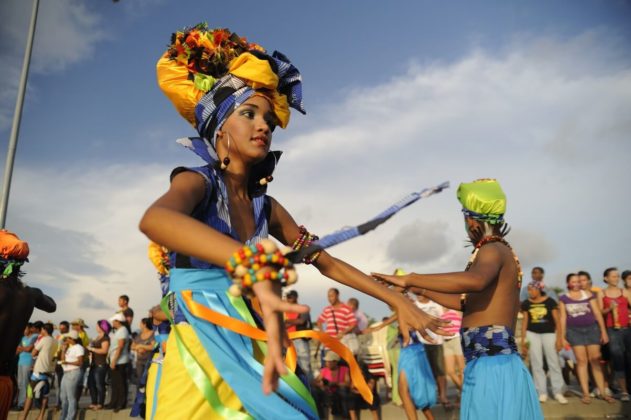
{"x":421,"y":384}
{"x":499,"y":387}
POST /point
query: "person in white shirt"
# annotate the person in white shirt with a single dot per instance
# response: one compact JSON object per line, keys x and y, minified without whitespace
{"x":71,"y":361}
{"x":435,"y":353}
{"x":119,"y":362}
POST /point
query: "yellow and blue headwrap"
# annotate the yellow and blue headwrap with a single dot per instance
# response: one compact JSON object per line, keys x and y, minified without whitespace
{"x":483,"y":200}
{"x":208,"y":73}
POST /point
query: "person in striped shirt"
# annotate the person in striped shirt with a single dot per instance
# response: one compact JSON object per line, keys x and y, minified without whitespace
{"x":339,"y":321}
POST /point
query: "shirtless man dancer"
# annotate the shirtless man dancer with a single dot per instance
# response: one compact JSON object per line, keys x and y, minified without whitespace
{"x":497,"y":384}
{"x":16,"y":306}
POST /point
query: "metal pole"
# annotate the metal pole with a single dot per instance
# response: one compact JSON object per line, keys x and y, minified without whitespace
{"x":17,"y":116}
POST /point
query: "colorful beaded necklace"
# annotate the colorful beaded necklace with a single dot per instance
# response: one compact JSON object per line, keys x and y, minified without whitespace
{"x":474,"y":255}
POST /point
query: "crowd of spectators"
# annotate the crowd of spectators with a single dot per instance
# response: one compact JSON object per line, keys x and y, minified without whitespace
{"x":582,"y":333}
{"x":578,"y":340}
{"x":66,"y":357}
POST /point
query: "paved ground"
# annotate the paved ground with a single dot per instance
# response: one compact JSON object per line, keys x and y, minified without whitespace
{"x":552,"y":410}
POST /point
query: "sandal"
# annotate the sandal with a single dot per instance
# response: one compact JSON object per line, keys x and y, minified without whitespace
{"x":446,"y":404}
{"x":586,"y":399}
{"x":607,"y":398}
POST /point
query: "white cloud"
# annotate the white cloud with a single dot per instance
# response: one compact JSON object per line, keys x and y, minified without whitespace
{"x":419,"y":242}
{"x":66,"y":33}
{"x":546,"y":117}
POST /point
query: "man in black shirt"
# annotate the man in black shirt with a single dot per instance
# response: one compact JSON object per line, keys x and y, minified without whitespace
{"x":17,"y":302}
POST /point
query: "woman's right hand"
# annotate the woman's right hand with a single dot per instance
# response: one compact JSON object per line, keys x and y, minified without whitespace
{"x":273,"y":307}
{"x":411,"y":317}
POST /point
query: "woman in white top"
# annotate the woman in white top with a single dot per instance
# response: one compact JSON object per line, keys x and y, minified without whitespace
{"x":72,"y":354}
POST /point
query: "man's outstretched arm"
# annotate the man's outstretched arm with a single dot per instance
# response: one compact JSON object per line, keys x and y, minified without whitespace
{"x":44,"y":302}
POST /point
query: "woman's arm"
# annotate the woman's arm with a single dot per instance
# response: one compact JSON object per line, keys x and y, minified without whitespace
{"x":524,"y":328}
{"x":557,"y":323}
{"x":146,"y":347}
{"x":284,"y":228}
{"x":604,"y":339}
{"x":563,"y":320}
{"x":105,"y":346}
{"x":601,"y":303}
{"x":168,"y":223}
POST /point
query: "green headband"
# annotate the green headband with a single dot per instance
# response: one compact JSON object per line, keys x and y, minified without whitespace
{"x":483,"y":200}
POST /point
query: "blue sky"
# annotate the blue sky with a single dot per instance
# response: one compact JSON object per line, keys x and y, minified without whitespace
{"x":399,"y":96}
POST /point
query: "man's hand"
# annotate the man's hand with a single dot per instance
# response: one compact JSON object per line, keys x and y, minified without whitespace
{"x":269,"y":295}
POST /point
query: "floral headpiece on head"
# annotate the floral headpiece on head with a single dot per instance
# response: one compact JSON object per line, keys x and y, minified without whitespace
{"x":208,"y":73}
{"x":483,"y":200}
{"x":13,"y":252}
{"x":159,"y":257}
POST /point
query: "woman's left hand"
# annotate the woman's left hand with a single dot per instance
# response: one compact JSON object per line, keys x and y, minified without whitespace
{"x":273,"y":307}
{"x":394,"y":282}
{"x":604,"y":338}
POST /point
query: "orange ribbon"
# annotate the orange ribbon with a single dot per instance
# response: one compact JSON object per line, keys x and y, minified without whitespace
{"x":245,"y":329}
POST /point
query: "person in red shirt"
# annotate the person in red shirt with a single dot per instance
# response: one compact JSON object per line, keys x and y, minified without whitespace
{"x":340,"y":321}
{"x":614,"y":305}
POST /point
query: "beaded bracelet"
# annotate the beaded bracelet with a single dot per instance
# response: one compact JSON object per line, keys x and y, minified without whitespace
{"x":247,"y":266}
{"x":304,"y":240}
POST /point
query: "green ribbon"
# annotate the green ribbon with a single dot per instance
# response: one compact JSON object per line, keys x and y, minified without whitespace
{"x":8,"y":269}
{"x":197,"y":374}
{"x":290,"y":378}
{"x":204,"y":82}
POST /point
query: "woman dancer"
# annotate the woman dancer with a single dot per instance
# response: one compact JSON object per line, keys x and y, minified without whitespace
{"x":235,"y":94}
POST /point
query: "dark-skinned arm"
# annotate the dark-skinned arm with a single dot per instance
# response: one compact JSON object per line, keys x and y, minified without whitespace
{"x":448,"y":300}
{"x":284,"y":228}
{"x":168,"y":223}
{"x":43,"y":302}
{"x":557,"y":321}
{"x":381,"y":325}
{"x":485,"y":270}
